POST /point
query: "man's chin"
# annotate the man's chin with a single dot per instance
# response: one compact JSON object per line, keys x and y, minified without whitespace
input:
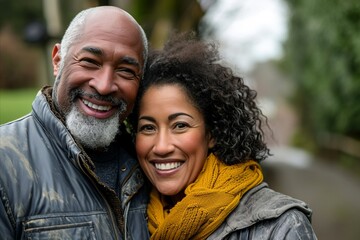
{"x":91,"y":132}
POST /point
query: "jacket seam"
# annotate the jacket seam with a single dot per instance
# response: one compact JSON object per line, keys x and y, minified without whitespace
{"x":6,"y":204}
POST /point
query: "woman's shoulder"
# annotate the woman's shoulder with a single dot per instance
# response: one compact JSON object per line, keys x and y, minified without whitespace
{"x":263,"y":202}
{"x":265,"y":212}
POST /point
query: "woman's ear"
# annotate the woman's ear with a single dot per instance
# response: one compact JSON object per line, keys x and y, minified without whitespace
{"x":56,"y":59}
{"x":211,"y":142}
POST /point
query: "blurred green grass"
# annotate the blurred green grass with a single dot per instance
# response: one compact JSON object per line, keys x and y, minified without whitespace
{"x":15,"y":103}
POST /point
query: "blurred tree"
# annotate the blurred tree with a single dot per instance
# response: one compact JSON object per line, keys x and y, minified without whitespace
{"x":161,"y":17}
{"x":17,"y":62}
{"x":323,"y":58}
{"x":19,"y":19}
{"x":18,"y":13}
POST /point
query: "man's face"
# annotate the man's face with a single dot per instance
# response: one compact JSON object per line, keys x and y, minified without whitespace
{"x":100,"y":77}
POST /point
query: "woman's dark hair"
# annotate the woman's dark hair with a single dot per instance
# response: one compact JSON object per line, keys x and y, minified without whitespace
{"x":227,"y":104}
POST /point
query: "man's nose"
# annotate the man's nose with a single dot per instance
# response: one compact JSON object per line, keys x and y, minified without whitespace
{"x":104,"y":81}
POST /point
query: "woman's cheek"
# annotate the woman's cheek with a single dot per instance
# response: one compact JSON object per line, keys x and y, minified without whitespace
{"x":141,"y":145}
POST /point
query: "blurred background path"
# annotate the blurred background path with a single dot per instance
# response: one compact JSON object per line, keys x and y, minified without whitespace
{"x":331,"y":190}
{"x":333,"y":193}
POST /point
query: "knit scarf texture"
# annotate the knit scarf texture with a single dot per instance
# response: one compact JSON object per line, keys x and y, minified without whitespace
{"x":207,"y":202}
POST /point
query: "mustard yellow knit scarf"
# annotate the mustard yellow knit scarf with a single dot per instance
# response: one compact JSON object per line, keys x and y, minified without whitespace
{"x":208,"y":201}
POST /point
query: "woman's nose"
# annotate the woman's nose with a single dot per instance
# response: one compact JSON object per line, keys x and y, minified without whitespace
{"x":163,"y":144}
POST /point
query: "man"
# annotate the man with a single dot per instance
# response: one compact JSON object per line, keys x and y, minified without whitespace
{"x":67,"y":170}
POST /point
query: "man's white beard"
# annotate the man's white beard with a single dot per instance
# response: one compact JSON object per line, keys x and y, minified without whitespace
{"x":92,"y":132}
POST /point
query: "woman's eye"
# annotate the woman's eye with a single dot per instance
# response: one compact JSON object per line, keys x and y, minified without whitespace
{"x":146,"y":128}
{"x":181,"y":126}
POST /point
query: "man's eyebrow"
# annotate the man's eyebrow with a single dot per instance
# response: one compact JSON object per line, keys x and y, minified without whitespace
{"x":99,"y":52}
{"x":94,"y":50}
{"x":130,"y":60}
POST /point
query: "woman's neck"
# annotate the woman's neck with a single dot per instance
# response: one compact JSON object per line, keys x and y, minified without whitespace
{"x":171,"y":201}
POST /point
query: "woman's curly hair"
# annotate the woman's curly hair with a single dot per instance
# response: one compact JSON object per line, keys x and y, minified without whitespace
{"x":227,"y":104}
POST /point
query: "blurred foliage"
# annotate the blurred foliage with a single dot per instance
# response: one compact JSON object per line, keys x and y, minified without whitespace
{"x":18,"y":13}
{"x":323,"y":58}
{"x":18,"y":63}
{"x":18,"y":60}
{"x":161,"y":17}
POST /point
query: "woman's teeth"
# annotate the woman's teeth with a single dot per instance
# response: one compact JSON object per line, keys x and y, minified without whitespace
{"x":96,"y":107}
{"x":167,"y":166}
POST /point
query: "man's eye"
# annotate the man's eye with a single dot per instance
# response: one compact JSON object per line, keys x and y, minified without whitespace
{"x":88,"y":62}
{"x":127,"y":73}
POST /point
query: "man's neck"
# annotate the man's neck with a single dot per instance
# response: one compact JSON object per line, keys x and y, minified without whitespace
{"x":107,"y":165}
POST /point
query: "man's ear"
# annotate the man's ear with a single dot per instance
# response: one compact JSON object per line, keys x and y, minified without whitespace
{"x":56,"y":58}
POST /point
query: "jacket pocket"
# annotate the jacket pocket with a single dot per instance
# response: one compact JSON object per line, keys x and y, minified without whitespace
{"x":43,"y":229}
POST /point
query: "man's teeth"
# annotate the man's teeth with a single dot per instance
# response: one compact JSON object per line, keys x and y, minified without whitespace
{"x":167,"y":166}
{"x":96,"y":107}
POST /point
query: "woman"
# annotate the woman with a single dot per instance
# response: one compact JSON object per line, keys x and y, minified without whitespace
{"x":199,"y":140}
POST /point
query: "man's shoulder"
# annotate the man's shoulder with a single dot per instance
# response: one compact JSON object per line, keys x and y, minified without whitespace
{"x":15,"y":129}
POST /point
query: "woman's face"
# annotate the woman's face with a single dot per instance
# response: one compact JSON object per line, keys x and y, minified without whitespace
{"x":171,"y":142}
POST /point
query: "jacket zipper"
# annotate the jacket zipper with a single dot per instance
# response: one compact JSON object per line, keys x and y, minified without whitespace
{"x":126,"y":212}
{"x":113,"y":221}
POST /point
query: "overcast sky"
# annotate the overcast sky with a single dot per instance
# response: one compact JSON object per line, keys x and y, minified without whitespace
{"x":249,"y":31}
